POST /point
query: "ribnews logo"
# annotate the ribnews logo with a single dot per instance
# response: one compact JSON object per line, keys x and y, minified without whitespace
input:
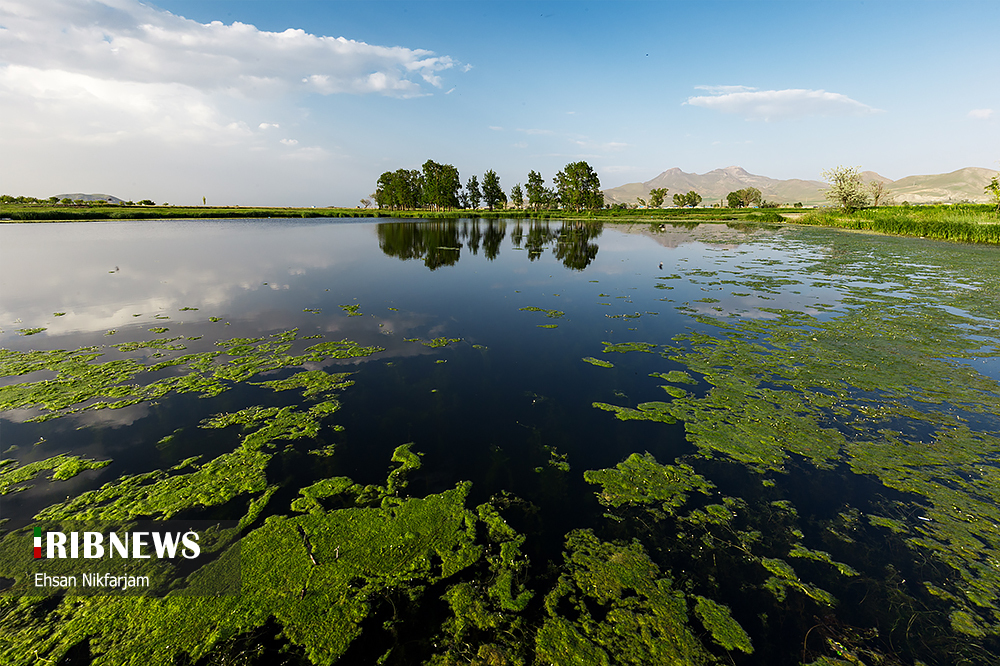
{"x":150,"y":558}
{"x":92,"y":545}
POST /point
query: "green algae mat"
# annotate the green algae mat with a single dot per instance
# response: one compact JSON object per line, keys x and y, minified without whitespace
{"x":745,"y":445}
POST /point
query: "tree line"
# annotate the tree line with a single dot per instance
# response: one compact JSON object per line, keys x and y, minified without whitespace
{"x":439,"y":187}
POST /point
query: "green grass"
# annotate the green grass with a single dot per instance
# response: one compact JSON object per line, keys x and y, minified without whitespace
{"x":967,"y":223}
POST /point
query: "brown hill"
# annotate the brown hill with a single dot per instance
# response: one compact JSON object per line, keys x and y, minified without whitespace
{"x":963,"y":185}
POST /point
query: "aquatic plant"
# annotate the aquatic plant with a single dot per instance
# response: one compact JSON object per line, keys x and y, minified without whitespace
{"x":640,"y":480}
{"x":63,"y":467}
{"x":554,"y":314}
{"x":598,"y":362}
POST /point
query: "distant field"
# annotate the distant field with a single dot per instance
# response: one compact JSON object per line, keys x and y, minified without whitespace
{"x":49,"y":212}
{"x":970,"y":223}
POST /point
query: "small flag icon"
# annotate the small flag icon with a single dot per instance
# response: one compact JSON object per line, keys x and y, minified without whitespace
{"x":38,"y":542}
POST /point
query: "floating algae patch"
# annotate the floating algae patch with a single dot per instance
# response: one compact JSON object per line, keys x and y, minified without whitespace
{"x":641,"y":481}
{"x":63,"y":467}
{"x":645,"y":618}
{"x":81,"y":383}
{"x":352,"y":310}
{"x":646,"y":411}
{"x":315,"y":382}
{"x":598,"y":362}
{"x":623,"y":347}
{"x":553,"y":314}
{"x":548,"y":325}
{"x":675,"y":376}
{"x":436,"y":343}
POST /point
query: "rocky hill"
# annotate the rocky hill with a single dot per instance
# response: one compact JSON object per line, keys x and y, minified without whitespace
{"x":962,"y":185}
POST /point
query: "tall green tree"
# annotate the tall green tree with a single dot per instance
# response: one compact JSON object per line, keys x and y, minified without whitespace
{"x":472,"y":192}
{"x":579,"y":187}
{"x":847,"y":190}
{"x":398,"y":189}
{"x":441,"y":184}
{"x":493,"y":194}
{"x":656,"y":196}
{"x":517,"y":196}
{"x":692,"y":199}
{"x":748,"y":196}
{"x":536,"y":190}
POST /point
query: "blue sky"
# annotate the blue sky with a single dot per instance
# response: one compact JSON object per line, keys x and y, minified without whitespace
{"x":256,"y":102}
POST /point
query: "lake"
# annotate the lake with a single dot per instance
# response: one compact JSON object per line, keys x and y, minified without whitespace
{"x":509,"y":442}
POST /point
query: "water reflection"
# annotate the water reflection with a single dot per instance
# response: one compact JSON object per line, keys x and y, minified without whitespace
{"x":440,"y":243}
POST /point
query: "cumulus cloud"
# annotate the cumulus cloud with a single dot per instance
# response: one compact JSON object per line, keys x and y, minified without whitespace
{"x":981,"y":114}
{"x":106,"y":70}
{"x":755,"y":104}
{"x":124,"y":40}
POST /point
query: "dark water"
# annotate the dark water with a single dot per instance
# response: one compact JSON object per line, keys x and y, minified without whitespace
{"x":511,"y":399}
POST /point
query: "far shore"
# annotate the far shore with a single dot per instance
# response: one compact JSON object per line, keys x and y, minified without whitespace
{"x":969,"y":223}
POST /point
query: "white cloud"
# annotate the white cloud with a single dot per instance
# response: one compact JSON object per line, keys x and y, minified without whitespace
{"x":981,"y":114}
{"x":780,"y":104}
{"x":124,"y":40}
{"x":108,"y":70}
{"x":536,"y":131}
{"x":495,"y":128}
{"x":290,"y":142}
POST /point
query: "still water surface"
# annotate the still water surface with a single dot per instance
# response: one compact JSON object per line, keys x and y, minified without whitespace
{"x":840,"y":396}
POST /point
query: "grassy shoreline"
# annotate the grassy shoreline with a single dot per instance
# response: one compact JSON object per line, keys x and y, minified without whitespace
{"x":968,"y":223}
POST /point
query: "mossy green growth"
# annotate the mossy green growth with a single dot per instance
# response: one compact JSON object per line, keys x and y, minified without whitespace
{"x":158,"y":329}
{"x":726,"y":631}
{"x":598,"y":362}
{"x":646,"y":620}
{"x":640,"y":480}
{"x":547,"y":325}
{"x":63,"y":467}
{"x":554,"y":314}
{"x":31,"y":331}
{"x":623,"y":347}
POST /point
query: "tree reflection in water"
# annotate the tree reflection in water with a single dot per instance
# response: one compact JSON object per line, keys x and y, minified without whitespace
{"x":439,"y":243}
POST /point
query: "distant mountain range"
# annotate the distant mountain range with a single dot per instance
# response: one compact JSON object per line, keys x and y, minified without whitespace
{"x":963,"y":185}
{"x":79,"y":196}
